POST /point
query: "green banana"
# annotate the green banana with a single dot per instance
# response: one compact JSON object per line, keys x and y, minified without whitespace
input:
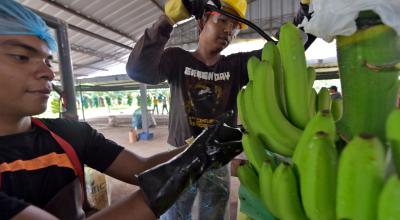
{"x":246,"y":109}
{"x":258,"y":127}
{"x":243,"y":115}
{"x":360,"y":178}
{"x":312,"y":75}
{"x":317,"y":174}
{"x":324,"y":100}
{"x":243,"y":109}
{"x":312,"y":92}
{"x":271,"y":54}
{"x":313,"y":102}
{"x":286,"y":194}
{"x":295,"y":74}
{"x":275,"y":124}
{"x":389,"y":200}
{"x":337,"y":109}
{"x":254,"y":125}
{"x":255,"y":151}
{"x":265,"y":179}
{"x":322,"y":121}
{"x":249,"y":178}
{"x":393,"y":136}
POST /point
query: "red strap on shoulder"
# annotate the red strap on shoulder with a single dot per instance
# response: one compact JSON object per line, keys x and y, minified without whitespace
{"x":69,"y":150}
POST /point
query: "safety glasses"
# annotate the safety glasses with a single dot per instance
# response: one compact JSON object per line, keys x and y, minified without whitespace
{"x":225,"y":22}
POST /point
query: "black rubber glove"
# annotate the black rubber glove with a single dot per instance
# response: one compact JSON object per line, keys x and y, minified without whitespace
{"x":302,"y":13}
{"x":213,"y":148}
{"x":197,"y":7}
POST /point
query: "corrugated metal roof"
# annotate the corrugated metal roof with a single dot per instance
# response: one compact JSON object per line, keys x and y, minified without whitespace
{"x":124,"y":21}
{"x":89,"y":54}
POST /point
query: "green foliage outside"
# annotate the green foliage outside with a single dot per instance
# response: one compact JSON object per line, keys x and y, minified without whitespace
{"x":119,"y":100}
{"x":85,"y":102}
{"x":95,"y":101}
{"x":103,"y":103}
{"x":55,"y":105}
{"x":108,"y":101}
{"x":129,"y":99}
{"x":148,"y":100}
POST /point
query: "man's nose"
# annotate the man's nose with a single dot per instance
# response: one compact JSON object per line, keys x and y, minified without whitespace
{"x":44,"y":71}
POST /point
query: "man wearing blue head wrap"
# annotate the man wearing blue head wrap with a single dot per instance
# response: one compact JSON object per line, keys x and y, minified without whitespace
{"x":41,"y":160}
{"x":15,"y":19}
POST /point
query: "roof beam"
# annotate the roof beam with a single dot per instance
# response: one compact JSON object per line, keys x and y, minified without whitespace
{"x":133,"y":86}
{"x":94,"y":21}
{"x":97,"y":36}
{"x":158,"y":5}
{"x":80,"y":66}
{"x":88,"y":66}
{"x":101,"y":79}
{"x":92,"y":52}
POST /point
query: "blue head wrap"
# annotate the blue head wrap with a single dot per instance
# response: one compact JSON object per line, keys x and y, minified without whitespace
{"x":16,"y":19}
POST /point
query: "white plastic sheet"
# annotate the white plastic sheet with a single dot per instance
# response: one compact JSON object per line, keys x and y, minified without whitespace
{"x":337,"y":17}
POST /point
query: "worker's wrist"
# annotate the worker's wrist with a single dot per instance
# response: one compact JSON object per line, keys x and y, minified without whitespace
{"x":169,"y":20}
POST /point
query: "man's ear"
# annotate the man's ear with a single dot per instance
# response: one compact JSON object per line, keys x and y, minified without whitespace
{"x":200,"y":25}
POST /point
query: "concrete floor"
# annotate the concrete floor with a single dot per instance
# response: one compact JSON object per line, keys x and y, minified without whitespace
{"x":147,"y":148}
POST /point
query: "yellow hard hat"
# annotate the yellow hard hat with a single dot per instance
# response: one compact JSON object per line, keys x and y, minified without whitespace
{"x":238,"y":6}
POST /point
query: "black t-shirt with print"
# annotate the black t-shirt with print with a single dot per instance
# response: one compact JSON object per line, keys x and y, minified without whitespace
{"x":207,"y":91}
{"x":37,"y":186}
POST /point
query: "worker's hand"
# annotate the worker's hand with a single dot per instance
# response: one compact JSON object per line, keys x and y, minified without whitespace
{"x":220,"y":143}
{"x":305,"y":2}
{"x":302,"y":13}
{"x":213,"y":148}
{"x":178,"y":10}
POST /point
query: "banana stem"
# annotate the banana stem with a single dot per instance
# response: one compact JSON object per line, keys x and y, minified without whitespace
{"x":368,"y":97}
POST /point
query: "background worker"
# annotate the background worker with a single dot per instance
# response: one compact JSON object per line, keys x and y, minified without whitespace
{"x":155,"y":105}
{"x":334,"y":93}
{"x":203,"y":85}
{"x":41,"y":160}
{"x":164,"y":105}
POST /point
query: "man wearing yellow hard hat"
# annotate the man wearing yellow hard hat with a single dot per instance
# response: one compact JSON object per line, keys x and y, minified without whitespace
{"x":203,"y":85}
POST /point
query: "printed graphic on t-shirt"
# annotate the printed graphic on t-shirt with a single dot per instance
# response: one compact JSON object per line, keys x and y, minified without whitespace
{"x":205,"y":97}
{"x":210,"y":76}
{"x":200,"y":122}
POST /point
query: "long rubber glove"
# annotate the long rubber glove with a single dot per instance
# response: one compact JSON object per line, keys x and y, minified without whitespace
{"x":213,"y":148}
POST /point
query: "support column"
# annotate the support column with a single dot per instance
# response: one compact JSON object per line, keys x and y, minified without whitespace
{"x":145,"y":134}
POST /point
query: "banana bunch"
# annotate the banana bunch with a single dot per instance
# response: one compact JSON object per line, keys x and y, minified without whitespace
{"x":321,"y":184}
{"x":300,"y":166}
{"x":279,"y":100}
{"x":260,"y":112}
